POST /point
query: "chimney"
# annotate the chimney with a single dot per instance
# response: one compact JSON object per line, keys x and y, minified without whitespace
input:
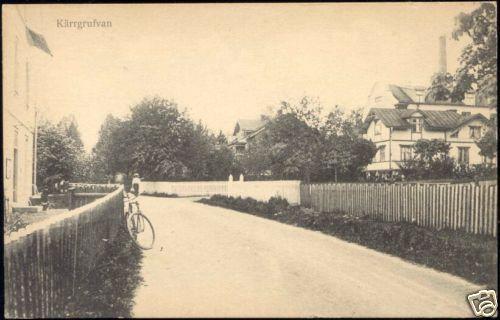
{"x":442,"y":54}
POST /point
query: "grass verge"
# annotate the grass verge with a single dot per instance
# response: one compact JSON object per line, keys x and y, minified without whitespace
{"x":108,"y":291}
{"x":469,"y":256}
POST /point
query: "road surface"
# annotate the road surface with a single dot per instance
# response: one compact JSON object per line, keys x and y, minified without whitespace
{"x":214,"y":262}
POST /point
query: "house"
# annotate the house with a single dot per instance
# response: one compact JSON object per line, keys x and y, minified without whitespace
{"x":385,"y":95}
{"x":23,"y":49}
{"x":395,"y":130}
{"x":398,"y":116}
{"x":244,"y":131}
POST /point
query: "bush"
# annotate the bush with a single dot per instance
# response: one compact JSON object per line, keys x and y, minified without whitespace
{"x":249,"y":205}
{"x":477,"y":171}
{"x":160,"y":194}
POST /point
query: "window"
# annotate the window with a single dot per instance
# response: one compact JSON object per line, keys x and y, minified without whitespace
{"x":463,"y":155}
{"x":475,"y":132}
{"x":382,"y":153}
{"x":406,"y":153}
{"x":378,"y":127}
{"x":416,"y":125}
{"x":465,"y":113}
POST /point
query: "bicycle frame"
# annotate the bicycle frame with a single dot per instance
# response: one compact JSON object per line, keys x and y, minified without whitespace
{"x":135,"y":222}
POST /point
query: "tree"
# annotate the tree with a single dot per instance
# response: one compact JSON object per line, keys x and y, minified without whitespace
{"x":298,"y":143}
{"x":221,"y":139}
{"x":220,"y":163}
{"x":160,"y":142}
{"x":57,"y":155}
{"x":440,"y":89}
{"x":488,"y":144}
{"x":69,"y":126}
{"x":345,"y":153}
{"x":478,"y":61}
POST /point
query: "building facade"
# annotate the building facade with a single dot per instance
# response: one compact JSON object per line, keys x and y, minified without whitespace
{"x":394,"y":131}
{"x":20,"y":57}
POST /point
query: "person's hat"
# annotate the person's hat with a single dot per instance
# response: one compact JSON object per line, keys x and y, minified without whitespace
{"x":136,"y":175}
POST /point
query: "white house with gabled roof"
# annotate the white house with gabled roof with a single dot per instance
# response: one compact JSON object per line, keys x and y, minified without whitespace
{"x":395,"y":130}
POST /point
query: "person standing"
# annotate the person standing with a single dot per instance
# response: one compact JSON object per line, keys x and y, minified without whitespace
{"x":136,"y":181}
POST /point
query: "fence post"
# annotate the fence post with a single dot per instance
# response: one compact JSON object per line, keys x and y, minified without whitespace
{"x":71,"y":197}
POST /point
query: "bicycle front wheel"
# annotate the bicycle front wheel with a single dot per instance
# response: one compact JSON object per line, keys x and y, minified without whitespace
{"x":141,"y":231}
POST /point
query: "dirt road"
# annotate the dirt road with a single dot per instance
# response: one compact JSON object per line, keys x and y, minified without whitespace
{"x":214,"y":262}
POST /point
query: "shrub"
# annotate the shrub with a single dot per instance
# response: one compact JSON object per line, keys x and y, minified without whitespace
{"x":15,"y":223}
{"x":249,"y":205}
{"x":161,"y":194}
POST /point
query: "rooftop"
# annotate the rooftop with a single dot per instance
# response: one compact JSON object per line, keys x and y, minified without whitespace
{"x":433,"y":120}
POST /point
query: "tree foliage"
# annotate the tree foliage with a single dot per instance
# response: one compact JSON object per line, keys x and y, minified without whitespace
{"x":60,"y":153}
{"x":478,"y":61}
{"x":440,"y":89}
{"x":298,"y":143}
{"x":488,"y":144}
{"x":160,"y":142}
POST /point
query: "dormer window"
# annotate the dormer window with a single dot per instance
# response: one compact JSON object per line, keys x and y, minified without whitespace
{"x":378,"y":127}
{"x":416,"y":125}
{"x":475,"y":132}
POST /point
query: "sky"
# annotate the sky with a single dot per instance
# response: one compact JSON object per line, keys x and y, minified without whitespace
{"x":223,"y":62}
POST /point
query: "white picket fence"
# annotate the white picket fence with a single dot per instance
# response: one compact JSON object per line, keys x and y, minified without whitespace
{"x":259,"y":190}
{"x":263,"y":190}
{"x":185,"y":189}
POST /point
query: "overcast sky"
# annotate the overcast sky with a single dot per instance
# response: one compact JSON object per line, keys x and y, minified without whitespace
{"x":223,"y":62}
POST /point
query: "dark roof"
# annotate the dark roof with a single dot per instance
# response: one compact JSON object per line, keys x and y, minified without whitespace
{"x":433,"y":120}
{"x":441,"y":120}
{"x":391,"y":118}
{"x":408,"y":95}
{"x":471,"y":117}
{"x":403,"y":95}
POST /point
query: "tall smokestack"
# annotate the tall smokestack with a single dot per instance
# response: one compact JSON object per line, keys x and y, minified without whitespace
{"x":442,"y":54}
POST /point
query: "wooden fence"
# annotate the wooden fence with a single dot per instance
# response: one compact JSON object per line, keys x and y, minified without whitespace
{"x":93,"y":188}
{"x":46,"y":262}
{"x":468,"y":207}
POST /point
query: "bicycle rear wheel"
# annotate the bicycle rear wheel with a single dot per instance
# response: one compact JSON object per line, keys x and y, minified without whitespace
{"x":141,"y":231}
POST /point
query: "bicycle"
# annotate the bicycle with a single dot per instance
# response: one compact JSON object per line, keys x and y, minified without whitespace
{"x":138,"y":225}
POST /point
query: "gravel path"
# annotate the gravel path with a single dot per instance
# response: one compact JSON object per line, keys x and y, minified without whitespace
{"x":215,"y":262}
